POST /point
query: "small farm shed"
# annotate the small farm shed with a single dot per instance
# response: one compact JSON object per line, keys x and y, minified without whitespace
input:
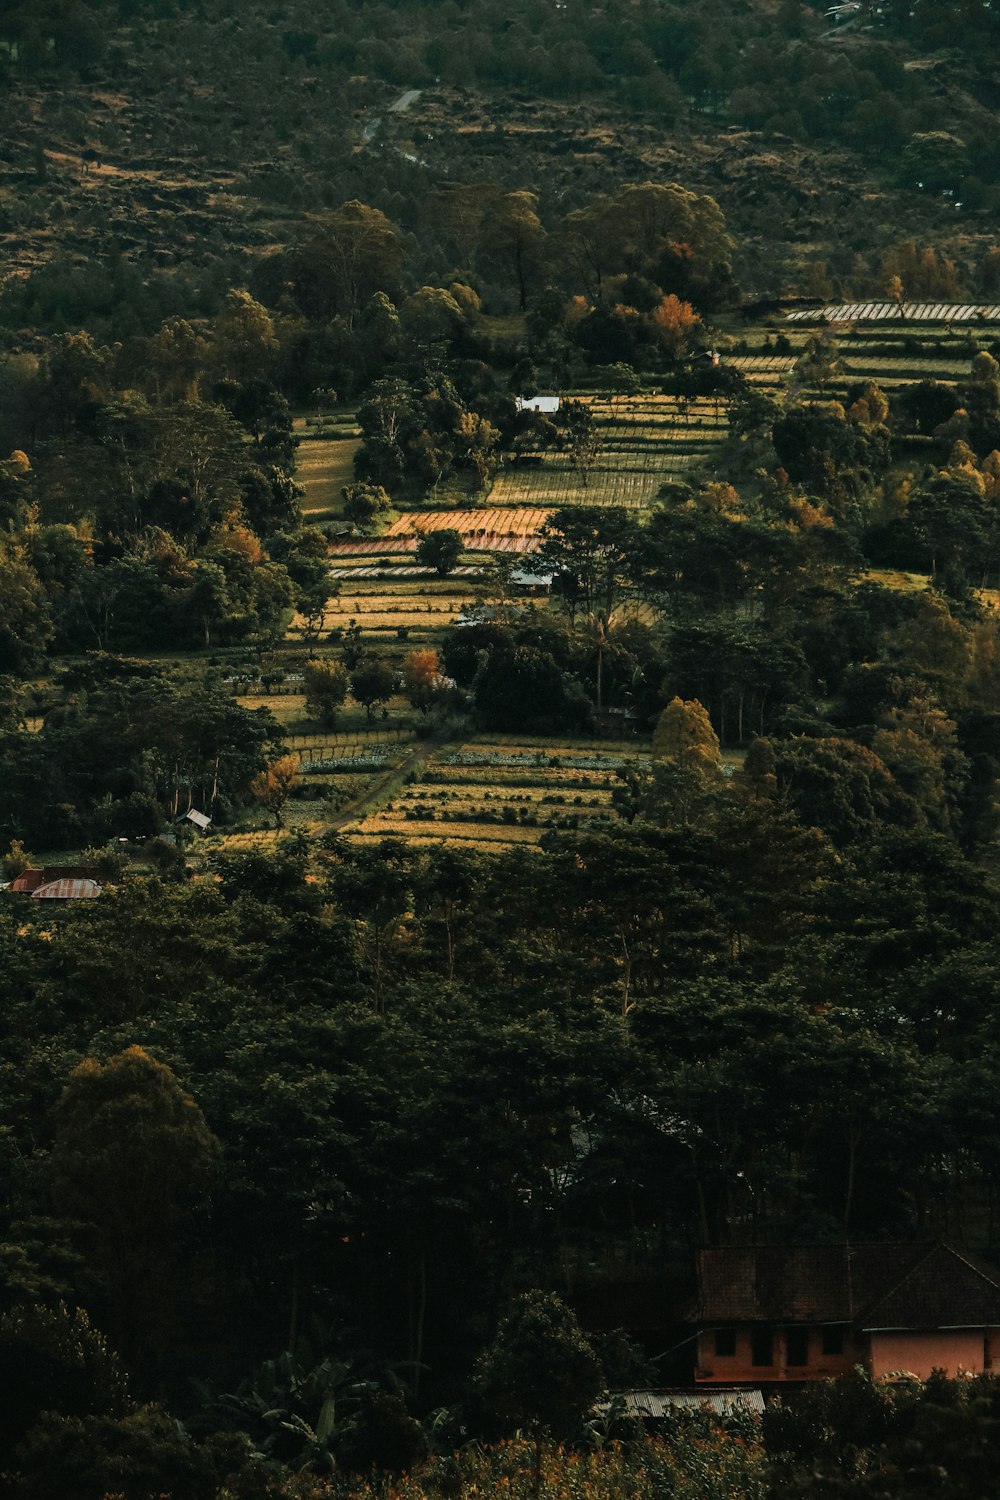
{"x":200,"y":820}
{"x":33,"y":882}
{"x":653,"y":1406}
{"x":531,"y":583}
{"x":548,"y":405}
{"x":68,"y":890}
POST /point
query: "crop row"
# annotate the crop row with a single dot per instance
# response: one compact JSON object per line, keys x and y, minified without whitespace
{"x":361,"y":739}
{"x":389,"y":570}
{"x":385,"y":825}
{"x":539,"y":794}
{"x":935,"y":313}
{"x":525,"y":816}
{"x":375,"y":758}
{"x":524,"y":521}
{"x":502,"y":825}
{"x":512,"y":760}
{"x":366,"y":607}
{"x":564,"y":779}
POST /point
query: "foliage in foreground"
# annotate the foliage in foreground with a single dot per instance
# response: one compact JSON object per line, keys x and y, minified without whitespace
{"x":711,"y":1466}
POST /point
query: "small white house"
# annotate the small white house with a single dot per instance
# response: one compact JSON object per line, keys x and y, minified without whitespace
{"x":548,"y":405}
{"x":200,"y":820}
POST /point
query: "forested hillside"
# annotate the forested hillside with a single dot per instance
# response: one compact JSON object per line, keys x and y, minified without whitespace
{"x":499,"y":730}
{"x":825,"y":146}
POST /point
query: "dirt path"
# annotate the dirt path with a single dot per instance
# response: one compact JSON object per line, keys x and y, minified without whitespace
{"x":398,"y":107}
{"x":378,"y":790}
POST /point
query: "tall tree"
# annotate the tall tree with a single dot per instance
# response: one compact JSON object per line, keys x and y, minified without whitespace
{"x":349,"y":256}
{"x":244,"y":337}
{"x":513,"y":236}
{"x":592,"y":550}
{"x":132,"y":1157}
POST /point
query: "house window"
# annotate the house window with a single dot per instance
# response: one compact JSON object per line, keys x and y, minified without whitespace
{"x":725,"y":1342}
{"x":762,"y":1347}
{"x":796,"y":1346}
{"x":833,"y":1341}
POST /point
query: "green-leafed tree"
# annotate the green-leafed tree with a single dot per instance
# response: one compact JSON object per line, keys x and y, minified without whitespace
{"x":326,"y":683}
{"x":440,"y":550}
{"x":132,"y":1159}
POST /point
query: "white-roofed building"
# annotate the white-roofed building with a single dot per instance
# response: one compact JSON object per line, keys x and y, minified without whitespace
{"x":548,"y":405}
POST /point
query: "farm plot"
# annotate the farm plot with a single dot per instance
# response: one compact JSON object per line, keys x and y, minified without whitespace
{"x":379,"y":546}
{"x":384,"y":607}
{"x":909,"y":312}
{"x":487,"y":529}
{"x":766,"y":369}
{"x":324,"y":752}
{"x":496,"y":792}
{"x":324,"y":461}
{"x":472,"y":835}
{"x":901,"y":370}
{"x":643,"y":441}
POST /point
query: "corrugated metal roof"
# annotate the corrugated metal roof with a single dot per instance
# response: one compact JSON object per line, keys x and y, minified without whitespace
{"x":29,"y":880}
{"x":67,"y":890}
{"x":662,"y":1403}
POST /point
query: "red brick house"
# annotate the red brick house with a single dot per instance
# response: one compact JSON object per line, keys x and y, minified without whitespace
{"x":770,"y":1314}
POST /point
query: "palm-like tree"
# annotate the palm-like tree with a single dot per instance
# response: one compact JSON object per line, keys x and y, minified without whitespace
{"x":601,"y":629}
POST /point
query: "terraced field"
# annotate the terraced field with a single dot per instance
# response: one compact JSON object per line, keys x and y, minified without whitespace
{"x":644,"y":441}
{"x":893,"y":354}
{"x":420,"y":605}
{"x":340,"y":765}
{"x":497,"y":791}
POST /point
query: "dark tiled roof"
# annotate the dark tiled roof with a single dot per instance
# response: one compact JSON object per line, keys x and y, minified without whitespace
{"x":944,"y":1289}
{"x":893,"y":1285}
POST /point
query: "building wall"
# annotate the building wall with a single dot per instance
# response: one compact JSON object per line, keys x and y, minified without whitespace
{"x":954,"y":1350}
{"x":721,"y":1369}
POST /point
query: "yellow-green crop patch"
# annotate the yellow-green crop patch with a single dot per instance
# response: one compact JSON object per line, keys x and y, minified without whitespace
{"x":323,"y":468}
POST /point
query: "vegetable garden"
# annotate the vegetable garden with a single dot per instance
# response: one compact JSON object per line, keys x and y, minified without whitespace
{"x":501,"y":790}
